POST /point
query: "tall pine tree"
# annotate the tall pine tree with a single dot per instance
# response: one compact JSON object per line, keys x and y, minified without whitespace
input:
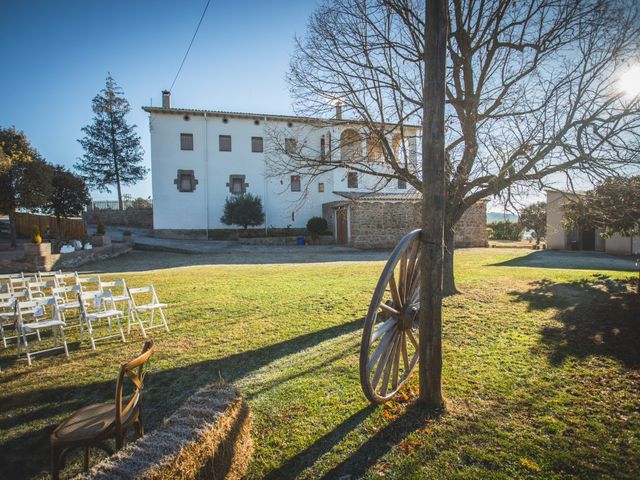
{"x":113,"y":154}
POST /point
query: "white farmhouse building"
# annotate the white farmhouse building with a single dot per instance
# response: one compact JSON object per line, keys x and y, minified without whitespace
{"x":201,"y":157}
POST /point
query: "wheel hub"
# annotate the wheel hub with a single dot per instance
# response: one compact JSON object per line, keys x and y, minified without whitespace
{"x":407,"y":317}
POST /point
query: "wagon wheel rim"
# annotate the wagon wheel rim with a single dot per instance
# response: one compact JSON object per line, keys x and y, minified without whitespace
{"x":389,"y":347}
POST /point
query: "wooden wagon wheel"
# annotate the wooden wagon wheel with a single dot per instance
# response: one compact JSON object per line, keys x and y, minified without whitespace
{"x":389,"y":347}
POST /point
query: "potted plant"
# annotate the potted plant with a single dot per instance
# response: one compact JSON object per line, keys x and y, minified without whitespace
{"x":37,"y":248}
{"x":127,"y":236}
{"x":101,"y":239}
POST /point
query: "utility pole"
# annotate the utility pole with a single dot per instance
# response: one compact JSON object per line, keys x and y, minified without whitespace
{"x":433,"y":204}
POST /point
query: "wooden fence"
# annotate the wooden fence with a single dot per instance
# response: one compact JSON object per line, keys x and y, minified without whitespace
{"x":73,"y":228}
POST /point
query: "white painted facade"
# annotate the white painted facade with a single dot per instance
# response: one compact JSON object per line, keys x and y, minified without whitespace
{"x":560,"y":239}
{"x":202,"y":208}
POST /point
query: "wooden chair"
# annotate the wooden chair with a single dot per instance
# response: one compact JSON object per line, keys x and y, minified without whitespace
{"x":92,"y":425}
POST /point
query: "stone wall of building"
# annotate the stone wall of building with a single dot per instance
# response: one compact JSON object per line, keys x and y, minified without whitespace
{"x":131,"y":217}
{"x":381,"y":224}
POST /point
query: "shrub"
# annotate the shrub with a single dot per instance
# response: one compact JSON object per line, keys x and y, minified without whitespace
{"x":100,"y":230}
{"x":244,"y":210}
{"x":505,"y":230}
{"x":317,"y":225}
{"x":35,"y":235}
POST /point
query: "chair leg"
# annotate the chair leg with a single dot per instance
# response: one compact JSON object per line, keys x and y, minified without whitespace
{"x":144,"y":332}
{"x":64,"y":342}
{"x":120,"y":329}
{"x":90,"y":330}
{"x":55,"y":463}
{"x":164,"y":320}
{"x":85,"y":463}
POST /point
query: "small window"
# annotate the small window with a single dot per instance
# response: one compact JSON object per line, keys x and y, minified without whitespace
{"x":225,"y":143}
{"x":352,"y":180}
{"x":295,"y":183}
{"x":257,"y":144}
{"x":186,"y":181}
{"x":290,"y":145}
{"x":402,"y":184}
{"x":237,"y":185}
{"x":322,"y":148}
{"x":186,"y":141}
{"x":321,"y":187}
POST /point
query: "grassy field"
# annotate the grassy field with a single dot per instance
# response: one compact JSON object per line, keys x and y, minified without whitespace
{"x":541,"y":372}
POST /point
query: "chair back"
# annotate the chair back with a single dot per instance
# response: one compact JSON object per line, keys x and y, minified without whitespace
{"x":42,"y":276}
{"x":39,"y":288}
{"x":95,"y":300}
{"x":36,"y":308}
{"x":145,"y":295}
{"x":68,"y":278}
{"x":66,"y":294}
{"x":85,"y":283}
{"x":111,"y":286}
{"x":134,"y":370}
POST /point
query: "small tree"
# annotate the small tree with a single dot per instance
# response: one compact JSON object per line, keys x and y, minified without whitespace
{"x":69,"y":197}
{"x":244,"y":210}
{"x":25,"y":178}
{"x":317,"y":226}
{"x":113,"y":153}
{"x":534,"y":217}
{"x":613,"y":207}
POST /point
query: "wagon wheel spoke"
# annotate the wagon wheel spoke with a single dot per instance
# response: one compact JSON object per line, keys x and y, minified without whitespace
{"x":382,"y":329}
{"x":381,"y":347}
{"x":413,"y":339}
{"x":396,"y":361}
{"x":383,"y":360}
{"x":405,"y":353}
{"x":389,"y":364}
{"x":411,"y":270}
{"x":389,"y":309}
{"x":402,"y":277}
{"x":395,"y":293}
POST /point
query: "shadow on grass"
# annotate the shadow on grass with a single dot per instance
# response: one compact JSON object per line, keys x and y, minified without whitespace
{"x":598,"y":316}
{"x":367,"y":454}
{"x":27,"y":454}
{"x":571,"y":261}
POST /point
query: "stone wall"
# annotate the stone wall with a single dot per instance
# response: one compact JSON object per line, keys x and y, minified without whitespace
{"x":380,"y":224}
{"x":131,"y":217}
{"x":64,"y":261}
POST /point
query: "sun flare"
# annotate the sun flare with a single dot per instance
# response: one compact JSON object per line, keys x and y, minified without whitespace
{"x":629,"y":82}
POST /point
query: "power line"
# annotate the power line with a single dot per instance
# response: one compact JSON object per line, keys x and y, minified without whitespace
{"x":191,"y":43}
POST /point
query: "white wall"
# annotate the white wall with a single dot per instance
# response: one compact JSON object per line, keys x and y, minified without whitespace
{"x":203,"y":208}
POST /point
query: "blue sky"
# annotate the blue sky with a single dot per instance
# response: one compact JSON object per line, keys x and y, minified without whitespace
{"x":57,"y":55}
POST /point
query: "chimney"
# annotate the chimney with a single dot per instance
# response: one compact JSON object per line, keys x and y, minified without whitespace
{"x":166,"y":99}
{"x":338,"y":111}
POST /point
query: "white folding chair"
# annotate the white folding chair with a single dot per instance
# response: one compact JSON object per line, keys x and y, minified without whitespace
{"x":89,"y":284}
{"x":119,"y":292}
{"x":41,"y":288}
{"x":5,"y":281}
{"x":20,"y":283}
{"x":97,"y":306}
{"x":32,"y":316}
{"x":8,"y":313}
{"x":67,"y":300}
{"x":42,"y":276}
{"x":145,"y":294}
{"x":66,"y":278}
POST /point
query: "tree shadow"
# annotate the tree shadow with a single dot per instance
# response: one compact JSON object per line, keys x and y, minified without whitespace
{"x":569,"y":260}
{"x":26,"y":454}
{"x":598,"y":316}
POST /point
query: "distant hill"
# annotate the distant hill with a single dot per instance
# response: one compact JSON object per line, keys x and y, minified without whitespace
{"x":500,"y":217}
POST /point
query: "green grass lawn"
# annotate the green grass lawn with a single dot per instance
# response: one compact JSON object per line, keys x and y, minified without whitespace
{"x":541,"y":373}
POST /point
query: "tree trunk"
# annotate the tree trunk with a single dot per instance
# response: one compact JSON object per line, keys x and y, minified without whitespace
{"x":12,"y":228}
{"x":433,"y":206}
{"x":120,"y":204}
{"x":449,"y":279}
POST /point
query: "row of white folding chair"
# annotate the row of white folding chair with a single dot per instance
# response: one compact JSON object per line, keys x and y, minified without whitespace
{"x":8,"y":312}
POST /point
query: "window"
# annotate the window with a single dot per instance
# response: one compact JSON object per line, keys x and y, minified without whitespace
{"x":321,"y":187}
{"x":402,"y":184}
{"x":186,"y":141}
{"x":237,"y":185}
{"x":257,"y":144}
{"x":322,"y":148}
{"x":290,"y":145}
{"x":225,"y":143}
{"x":185,"y":181}
{"x":295,"y":183}
{"x":352,"y":180}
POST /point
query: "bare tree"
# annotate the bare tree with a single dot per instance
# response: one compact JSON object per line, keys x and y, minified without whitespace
{"x":532,"y":94}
